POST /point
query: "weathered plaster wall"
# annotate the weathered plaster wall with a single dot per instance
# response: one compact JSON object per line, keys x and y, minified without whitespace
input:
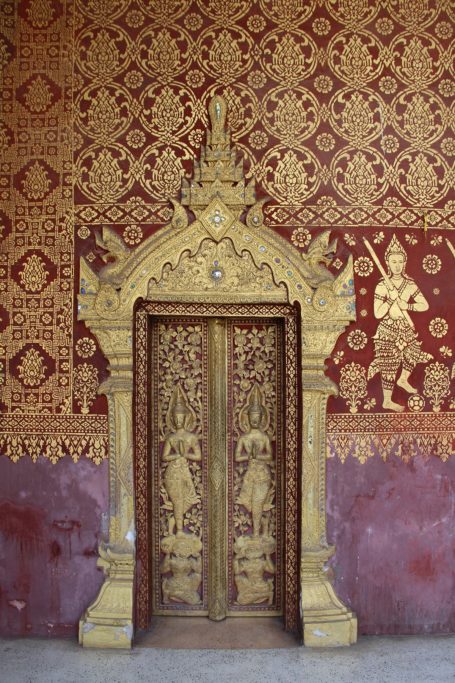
{"x":50,"y":518}
{"x":393,"y":526}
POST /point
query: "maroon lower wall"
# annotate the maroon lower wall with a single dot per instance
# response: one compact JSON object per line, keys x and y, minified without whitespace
{"x":50,"y":517}
{"x":393,"y":524}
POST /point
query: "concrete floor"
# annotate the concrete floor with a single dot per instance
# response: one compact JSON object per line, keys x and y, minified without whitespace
{"x":412,"y":659}
{"x":196,"y":633}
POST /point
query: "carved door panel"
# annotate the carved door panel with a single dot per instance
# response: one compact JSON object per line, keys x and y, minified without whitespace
{"x":179,"y":433}
{"x":217,"y":466}
{"x":255,"y":457}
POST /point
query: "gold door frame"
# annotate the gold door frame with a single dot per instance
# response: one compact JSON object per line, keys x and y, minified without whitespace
{"x":143,"y":465}
{"x":217,"y":257}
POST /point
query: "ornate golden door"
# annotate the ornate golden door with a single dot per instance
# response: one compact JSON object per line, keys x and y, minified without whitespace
{"x":221,"y":484}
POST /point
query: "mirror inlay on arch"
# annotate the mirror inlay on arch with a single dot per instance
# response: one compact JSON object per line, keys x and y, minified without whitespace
{"x":217,"y":257}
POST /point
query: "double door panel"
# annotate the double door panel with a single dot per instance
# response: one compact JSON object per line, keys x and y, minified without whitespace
{"x":217,"y":457}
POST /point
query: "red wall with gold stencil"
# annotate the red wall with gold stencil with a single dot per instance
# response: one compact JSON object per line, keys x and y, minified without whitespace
{"x":344,"y":114}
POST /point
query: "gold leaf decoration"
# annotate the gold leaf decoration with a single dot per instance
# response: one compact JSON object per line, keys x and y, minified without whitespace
{"x":85,"y":385}
{"x":37,"y":182}
{"x":31,"y":370}
{"x":38,"y":96}
{"x":40,"y":13}
{"x":436,"y":385}
{"x":33,"y":276}
{"x":353,"y":385}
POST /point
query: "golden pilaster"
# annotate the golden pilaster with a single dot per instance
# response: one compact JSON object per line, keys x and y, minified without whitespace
{"x":326,"y":621}
{"x":108,"y":621}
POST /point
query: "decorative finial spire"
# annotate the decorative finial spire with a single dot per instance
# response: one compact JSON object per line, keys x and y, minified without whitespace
{"x":218,"y":175}
{"x":218,"y":113}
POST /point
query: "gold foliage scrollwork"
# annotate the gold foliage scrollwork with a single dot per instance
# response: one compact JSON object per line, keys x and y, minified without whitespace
{"x":103,"y":52}
{"x":353,"y":385}
{"x":293,"y":174}
{"x":289,"y":57}
{"x":436,"y":384}
{"x":355,"y":58}
{"x":418,"y":59}
{"x":291,"y":114}
{"x":162,"y":55}
{"x":226,"y":53}
{"x":32,"y":368}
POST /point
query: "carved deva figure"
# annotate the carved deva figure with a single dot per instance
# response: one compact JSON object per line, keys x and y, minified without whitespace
{"x":395,"y":341}
{"x":254,"y":447}
{"x":180,"y":445}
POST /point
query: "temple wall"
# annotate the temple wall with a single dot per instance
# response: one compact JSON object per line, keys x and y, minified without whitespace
{"x":344,"y":114}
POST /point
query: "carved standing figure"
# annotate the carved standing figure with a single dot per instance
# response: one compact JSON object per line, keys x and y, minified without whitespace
{"x":180,"y":445}
{"x":396,"y":344}
{"x":254,"y":447}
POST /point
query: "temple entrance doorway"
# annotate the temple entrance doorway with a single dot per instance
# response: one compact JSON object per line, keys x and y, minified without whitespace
{"x":220,"y":534}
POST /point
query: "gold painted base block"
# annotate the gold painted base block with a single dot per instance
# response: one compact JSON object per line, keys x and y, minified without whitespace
{"x":339,"y":631}
{"x":327,"y":622}
{"x":106,"y":636}
{"x":108,"y":622}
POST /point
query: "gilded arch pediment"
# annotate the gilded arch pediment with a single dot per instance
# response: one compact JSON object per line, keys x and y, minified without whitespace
{"x":218,"y":197}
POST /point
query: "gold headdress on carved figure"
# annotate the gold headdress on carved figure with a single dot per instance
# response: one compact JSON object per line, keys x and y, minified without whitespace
{"x":254,"y":404}
{"x":179,"y":405}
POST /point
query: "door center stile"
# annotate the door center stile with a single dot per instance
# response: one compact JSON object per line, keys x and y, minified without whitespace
{"x":217,"y":463}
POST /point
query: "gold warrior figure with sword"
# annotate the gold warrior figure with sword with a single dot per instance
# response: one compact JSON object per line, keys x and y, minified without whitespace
{"x":395,"y":342}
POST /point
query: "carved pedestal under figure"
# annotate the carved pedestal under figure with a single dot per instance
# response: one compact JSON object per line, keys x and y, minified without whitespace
{"x":253,"y":557}
{"x":182,"y":560}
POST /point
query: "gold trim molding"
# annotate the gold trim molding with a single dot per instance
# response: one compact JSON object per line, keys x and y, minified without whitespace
{"x":221,"y":258}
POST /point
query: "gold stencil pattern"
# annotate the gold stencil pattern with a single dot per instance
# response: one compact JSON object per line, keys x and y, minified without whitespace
{"x":37,"y":207}
{"x":392,"y":98}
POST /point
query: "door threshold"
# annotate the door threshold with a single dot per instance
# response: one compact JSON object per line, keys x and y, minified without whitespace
{"x":200,"y":633}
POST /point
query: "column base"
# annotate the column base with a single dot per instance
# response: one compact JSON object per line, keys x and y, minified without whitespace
{"x":108,"y":622}
{"x":327,"y":622}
